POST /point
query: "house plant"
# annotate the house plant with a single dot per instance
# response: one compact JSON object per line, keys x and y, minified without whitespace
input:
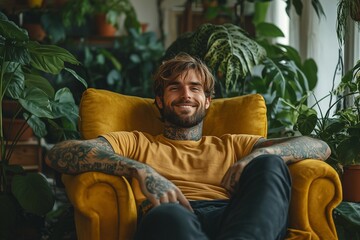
{"x":79,"y":11}
{"x":22,"y":65}
{"x":339,"y":126}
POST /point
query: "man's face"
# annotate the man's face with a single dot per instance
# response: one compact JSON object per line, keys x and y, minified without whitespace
{"x":184,"y":102}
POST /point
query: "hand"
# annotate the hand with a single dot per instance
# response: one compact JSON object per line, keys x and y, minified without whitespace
{"x":158,"y":189}
{"x":232,"y":176}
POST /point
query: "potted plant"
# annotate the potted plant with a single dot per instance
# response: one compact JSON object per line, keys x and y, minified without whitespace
{"x":339,"y":126}
{"x":22,"y":65}
{"x":79,"y":11}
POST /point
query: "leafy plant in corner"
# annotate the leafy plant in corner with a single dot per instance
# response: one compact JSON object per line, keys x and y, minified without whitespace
{"x":284,"y":78}
{"x":22,"y":65}
{"x":339,"y":126}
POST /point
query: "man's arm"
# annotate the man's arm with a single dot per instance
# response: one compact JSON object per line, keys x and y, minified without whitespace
{"x":291,"y":150}
{"x":76,"y":156}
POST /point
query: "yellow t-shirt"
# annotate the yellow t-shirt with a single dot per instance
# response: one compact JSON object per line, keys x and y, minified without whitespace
{"x":196,"y":167}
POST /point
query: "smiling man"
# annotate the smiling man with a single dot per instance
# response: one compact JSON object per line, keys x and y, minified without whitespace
{"x":199,"y":187}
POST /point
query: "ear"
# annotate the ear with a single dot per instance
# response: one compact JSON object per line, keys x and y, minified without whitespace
{"x":159,"y":102}
{"x":207,"y":102}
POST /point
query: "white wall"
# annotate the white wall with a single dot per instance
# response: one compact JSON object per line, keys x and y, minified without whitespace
{"x":147,"y":12}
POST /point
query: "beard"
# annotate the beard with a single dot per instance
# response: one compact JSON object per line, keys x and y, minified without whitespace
{"x":184,"y":121}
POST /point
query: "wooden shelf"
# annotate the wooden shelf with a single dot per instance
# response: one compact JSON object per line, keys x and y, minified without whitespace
{"x":28,"y":154}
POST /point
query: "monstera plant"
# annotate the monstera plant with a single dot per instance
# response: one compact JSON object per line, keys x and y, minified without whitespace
{"x":226,"y":49}
{"x":23,"y":65}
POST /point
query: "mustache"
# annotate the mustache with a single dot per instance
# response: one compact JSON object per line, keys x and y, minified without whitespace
{"x":183,"y":102}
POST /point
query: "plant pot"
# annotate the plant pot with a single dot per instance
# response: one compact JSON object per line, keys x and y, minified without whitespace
{"x":12,"y":127}
{"x":351,"y":183}
{"x":103,"y":27}
{"x":36,"y":31}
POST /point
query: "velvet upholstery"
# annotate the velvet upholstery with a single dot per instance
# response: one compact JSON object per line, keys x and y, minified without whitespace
{"x":105,"y":206}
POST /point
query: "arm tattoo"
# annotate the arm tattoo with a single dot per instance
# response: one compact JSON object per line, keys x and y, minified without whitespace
{"x":92,"y":155}
{"x":295,"y":149}
{"x":155,"y":185}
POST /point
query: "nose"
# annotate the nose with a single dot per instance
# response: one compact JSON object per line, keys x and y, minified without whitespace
{"x":186,"y":93}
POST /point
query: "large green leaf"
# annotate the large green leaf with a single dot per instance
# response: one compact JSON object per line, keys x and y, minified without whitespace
{"x":36,"y":102}
{"x":14,"y":81}
{"x":64,"y":105}
{"x":10,"y":31}
{"x":306,"y":123}
{"x":79,"y":78}
{"x":37,"y":126}
{"x":229,"y":45}
{"x":265,"y":29}
{"x":37,"y":81}
{"x":49,"y":58}
{"x":33,"y":193}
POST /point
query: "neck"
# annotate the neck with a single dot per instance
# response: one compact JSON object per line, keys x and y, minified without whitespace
{"x":178,"y":133}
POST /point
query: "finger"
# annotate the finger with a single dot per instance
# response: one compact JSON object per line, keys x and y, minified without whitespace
{"x":183,"y":201}
{"x":154,"y":201}
{"x":164,"y":199}
{"x":173,"y":197}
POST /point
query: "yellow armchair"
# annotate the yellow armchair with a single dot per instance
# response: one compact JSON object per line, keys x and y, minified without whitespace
{"x":105,"y":206}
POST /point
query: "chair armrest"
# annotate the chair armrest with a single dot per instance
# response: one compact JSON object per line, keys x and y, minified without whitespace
{"x":316,"y":191}
{"x":97,"y":199}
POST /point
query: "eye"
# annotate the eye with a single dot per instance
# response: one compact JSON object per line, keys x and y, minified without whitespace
{"x":196,"y":89}
{"x":173,"y":88}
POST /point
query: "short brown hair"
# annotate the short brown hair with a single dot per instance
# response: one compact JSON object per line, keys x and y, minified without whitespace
{"x":173,"y":68}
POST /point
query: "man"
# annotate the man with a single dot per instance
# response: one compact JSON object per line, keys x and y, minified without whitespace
{"x":199,"y":187}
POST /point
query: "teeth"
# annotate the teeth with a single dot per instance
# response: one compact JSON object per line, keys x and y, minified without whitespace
{"x":185,"y":106}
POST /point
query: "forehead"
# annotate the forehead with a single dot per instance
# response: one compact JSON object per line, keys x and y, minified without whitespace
{"x":188,"y":77}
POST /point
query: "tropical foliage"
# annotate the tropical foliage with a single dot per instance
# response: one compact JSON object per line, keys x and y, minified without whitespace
{"x":23,"y":65}
{"x":339,"y":126}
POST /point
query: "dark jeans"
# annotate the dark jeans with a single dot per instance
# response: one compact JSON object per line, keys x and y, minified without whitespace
{"x":257,"y":210}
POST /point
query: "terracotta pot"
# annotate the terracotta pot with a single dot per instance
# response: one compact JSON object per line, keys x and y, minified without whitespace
{"x":103,"y":28}
{"x":11,"y":129}
{"x":351,"y":183}
{"x":36,"y":31}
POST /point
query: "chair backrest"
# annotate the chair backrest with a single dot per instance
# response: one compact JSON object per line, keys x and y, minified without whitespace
{"x":103,"y":111}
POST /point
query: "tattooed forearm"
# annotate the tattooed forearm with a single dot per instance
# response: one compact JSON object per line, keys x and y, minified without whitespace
{"x":295,"y":149}
{"x":93,"y":155}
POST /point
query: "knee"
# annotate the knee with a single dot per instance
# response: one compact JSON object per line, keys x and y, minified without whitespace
{"x":165,"y":220}
{"x":269,"y":162}
{"x":269,"y":166}
{"x":166,"y":213}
